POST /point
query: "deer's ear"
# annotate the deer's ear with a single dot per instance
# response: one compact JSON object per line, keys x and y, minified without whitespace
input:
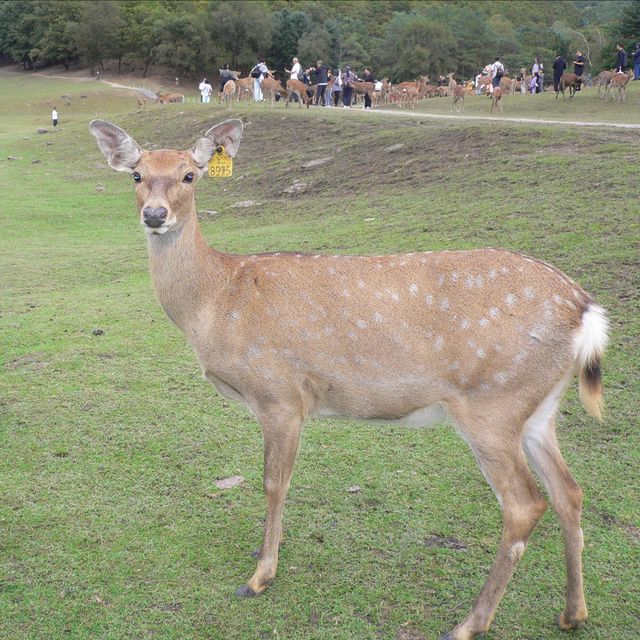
{"x":226,"y":134}
{"x":119,"y":148}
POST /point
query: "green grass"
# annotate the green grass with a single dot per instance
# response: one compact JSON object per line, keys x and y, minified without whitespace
{"x":110,"y":524}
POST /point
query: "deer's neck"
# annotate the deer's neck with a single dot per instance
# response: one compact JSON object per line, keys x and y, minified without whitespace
{"x":187,"y":274}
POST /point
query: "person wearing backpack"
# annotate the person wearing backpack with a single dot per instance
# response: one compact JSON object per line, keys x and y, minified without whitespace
{"x":497,"y":72}
{"x":258,"y":73}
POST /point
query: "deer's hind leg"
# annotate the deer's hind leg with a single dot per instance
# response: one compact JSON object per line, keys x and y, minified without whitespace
{"x":543,"y":453}
{"x":496,"y":445}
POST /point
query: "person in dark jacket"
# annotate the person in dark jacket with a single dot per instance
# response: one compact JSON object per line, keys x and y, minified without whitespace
{"x":559,"y":65}
{"x":367,"y":77}
{"x":636,"y":62}
{"x":225,"y":76}
{"x":621,"y":62}
{"x":322,"y":78}
{"x":348,"y":78}
{"x":578,"y":67}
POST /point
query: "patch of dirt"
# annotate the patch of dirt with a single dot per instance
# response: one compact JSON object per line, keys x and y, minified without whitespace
{"x":445,"y":542}
{"x":30,"y":361}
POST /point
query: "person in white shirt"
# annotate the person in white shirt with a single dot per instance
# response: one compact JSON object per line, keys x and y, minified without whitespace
{"x":295,"y":69}
{"x":497,"y":72}
{"x":54,"y":117}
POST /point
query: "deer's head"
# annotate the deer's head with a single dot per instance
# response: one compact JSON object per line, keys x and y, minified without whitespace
{"x":164,"y":179}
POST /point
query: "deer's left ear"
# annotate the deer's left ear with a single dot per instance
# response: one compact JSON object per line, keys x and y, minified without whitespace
{"x":119,"y":148}
{"x":226,"y":134}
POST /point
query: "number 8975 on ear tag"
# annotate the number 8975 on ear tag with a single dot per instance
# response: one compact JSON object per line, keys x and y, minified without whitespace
{"x":221,"y":164}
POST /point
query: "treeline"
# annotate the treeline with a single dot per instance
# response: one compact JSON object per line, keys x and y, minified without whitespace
{"x":396,"y":38}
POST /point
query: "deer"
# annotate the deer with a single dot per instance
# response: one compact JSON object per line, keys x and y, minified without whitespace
{"x":141,"y":101}
{"x":228,"y":93}
{"x":602,"y":80}
{"x":244,"y":88}
{"x":458,"y":92}
{"x":298,"y":88}
{"x":569,"y":81}
{"x":272,"y":87}
{"x":489,"y":337}
{"x":496,"y":99}
{"x":163,"y":98}
{"x":618,"y":82}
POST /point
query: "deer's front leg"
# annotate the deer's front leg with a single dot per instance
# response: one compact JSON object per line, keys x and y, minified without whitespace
{"x":281,"y":437}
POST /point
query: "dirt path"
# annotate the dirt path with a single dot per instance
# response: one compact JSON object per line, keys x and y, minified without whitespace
{"x":572,"y":123}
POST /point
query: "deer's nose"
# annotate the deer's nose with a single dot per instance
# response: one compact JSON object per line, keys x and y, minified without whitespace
{"x":154,"y":216}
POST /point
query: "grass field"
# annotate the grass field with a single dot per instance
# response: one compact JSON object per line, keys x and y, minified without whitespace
{"x":110,"y":441}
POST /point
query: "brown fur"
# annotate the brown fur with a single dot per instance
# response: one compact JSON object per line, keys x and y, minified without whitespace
{"x":569,"y":81}
{"x":298,"y":88}
{"x":496,"y":99}
{"x":618,"y":83}
{"x":490,"y":336}
{"x":163,"y":98}
{"x":228,"y":93}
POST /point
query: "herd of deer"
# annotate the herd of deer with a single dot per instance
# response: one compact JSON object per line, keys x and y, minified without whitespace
{"x":407,"y":94}
{"x":489,"y":337}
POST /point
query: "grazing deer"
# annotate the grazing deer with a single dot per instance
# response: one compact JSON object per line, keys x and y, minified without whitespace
{"x":141,"y":100}
{"x":496,"y":99}
{"x":490,"y":337}
{"x":228,"y":92}
{"x":271,"y":88}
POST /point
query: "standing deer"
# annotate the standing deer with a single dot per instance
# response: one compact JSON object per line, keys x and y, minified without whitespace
{"x":496,"y":99}
{"x":228,"y":93}
{"x":490,"y":337}
{"x":458,"y":92}
{"x":618,"y":82}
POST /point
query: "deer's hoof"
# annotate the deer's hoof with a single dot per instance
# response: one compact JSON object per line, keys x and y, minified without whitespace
{"x":567,"y":623}
{"x":245,"y":591}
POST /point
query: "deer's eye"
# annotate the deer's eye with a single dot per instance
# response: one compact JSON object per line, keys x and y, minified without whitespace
{"x":188,"y":178}
{"x":137,"y":177}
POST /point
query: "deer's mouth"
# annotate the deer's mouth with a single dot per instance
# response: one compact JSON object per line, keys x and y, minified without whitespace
{"x":155,"y":229}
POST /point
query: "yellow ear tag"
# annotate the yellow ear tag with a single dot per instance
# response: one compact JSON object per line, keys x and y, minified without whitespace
{"x":221,"y":164}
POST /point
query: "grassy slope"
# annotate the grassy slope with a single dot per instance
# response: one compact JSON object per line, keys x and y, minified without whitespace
{"x":110,"y":525}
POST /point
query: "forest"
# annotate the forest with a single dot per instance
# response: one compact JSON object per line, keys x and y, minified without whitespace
{"x":396,"y":38}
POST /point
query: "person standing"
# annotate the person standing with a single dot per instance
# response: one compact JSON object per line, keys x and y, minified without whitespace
{"x":348,"y":78}
{"x":636,"y":62}
{"x":621,"y":61}
{"x":54,"y":117}
{"x":578,"y":67}
{"x":322,"y":78}
{"x":259,"y":73}
{"x":497,"y":73}
{"x":295,"y":71}
{"x":225,"y":75}
{"x":206,"y":91}
{"x":559,"y":65}
{"x":336,"y":87}
{"x":201,"y":89}
{"x":538,"y":73}
{"x":367,"y":77}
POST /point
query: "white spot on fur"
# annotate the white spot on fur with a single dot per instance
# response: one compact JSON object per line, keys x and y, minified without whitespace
{"x":393,"y":295}
{"x":331,"y":271}
{"x":361,"y":284}
{"x":500,"y":377}
{"x":469,"y":282}
{"x":529,"y":293}
{"x":483,"y":322}
{"x":494,"y":312}
{"x":413,"y":289}
{"x":361,"y":324}
{"x":455,"y":276}
{"x":441,"y":279}
{"x":234,"y":315}
{"x":465,"y":324}
{"x":479,"y":281}
{"x":510,"y":299}
{"x":377,"y":317}
{"x":493,"y":274}
{"x":345,"y":293}
{"x":438,"y":343}
{"x":327,"y":331}
{"x":428,"y":298}
{"x":444,"y":304}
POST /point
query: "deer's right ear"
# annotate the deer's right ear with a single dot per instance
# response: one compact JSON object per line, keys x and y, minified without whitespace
{"x":119,"y":148}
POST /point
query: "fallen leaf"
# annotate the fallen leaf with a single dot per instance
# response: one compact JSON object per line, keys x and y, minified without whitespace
{"x":229,"y":483}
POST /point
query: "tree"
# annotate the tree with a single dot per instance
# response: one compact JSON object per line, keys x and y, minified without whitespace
{"x":240,"y":31}
{"x":288,"y":27}
{"x":414,"y":45}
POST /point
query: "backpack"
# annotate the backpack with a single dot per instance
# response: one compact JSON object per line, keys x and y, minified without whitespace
{"x":300,"y":75}
{"x":499,"y":71}
{"x":255,"y":72}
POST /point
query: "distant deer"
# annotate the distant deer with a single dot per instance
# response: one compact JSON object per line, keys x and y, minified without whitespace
{"x":496,"y":99}
{"x":141,"y":100}
{"x":244,"y":88}
{"x":458,"y":92}
{"x":569,"y":81}
{"x":228,"y":93}
{"x":163,"y":98}
{"x":618,"y":83}
{"x":602,"y":80}
{"x":298,"y":88}
{"x":490,"y":337}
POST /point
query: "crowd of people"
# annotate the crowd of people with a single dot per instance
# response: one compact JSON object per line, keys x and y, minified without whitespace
{"x":333,"y":87}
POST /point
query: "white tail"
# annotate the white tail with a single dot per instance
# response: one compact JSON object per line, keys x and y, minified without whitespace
{"x":490,"y":337}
